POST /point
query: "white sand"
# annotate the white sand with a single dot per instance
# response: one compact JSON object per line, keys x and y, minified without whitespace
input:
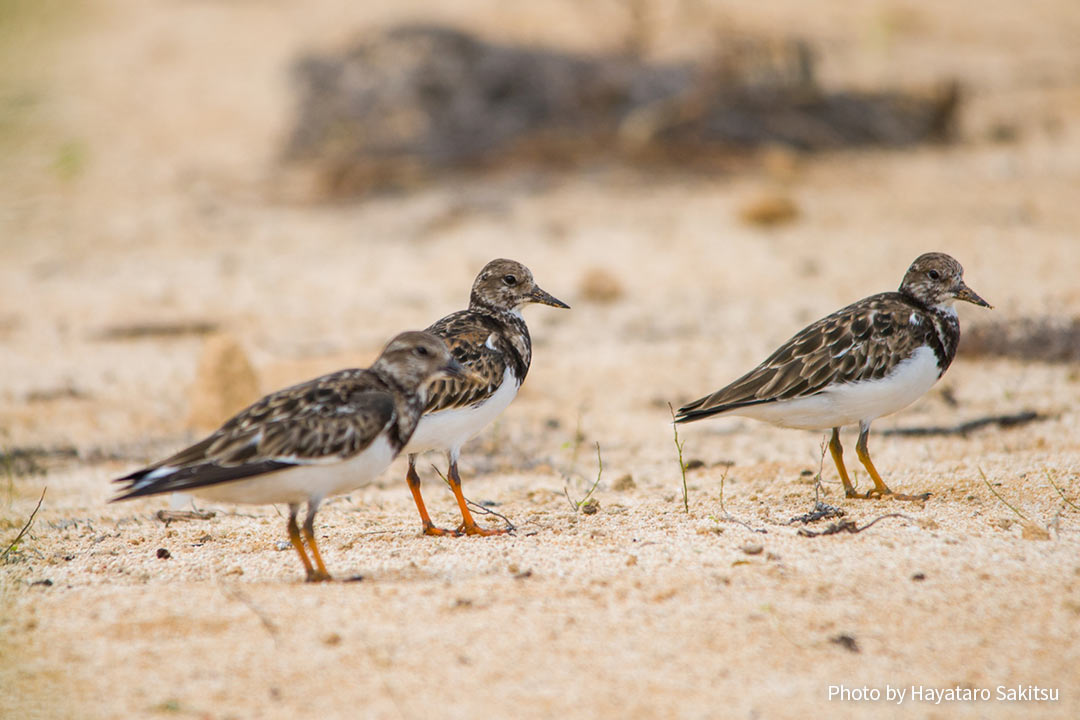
{"x":640,"y":610}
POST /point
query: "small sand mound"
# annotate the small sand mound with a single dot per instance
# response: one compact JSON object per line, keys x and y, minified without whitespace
{"x":224,"y":383}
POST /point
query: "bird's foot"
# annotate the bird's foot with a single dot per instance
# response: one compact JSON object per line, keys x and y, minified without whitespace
{"x":871,"y":494}
{"x":474,"y":529}
{"x":434,"y":531}
{"x":887,"y":494}
{"x":921,"y":497}
{"x":316,"y":575}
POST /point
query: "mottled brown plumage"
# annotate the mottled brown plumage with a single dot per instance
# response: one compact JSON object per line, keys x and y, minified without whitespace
{"x":864,"y":345}
{"x":332,"y":433}
{"x":491,"y":336}
{"x":491,"y":339}
{"x":863,"y":341}
{"x":479,"y":342}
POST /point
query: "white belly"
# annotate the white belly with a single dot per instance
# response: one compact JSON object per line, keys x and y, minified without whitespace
{"x":305,"y":482}
{"x":450,"y":429}
{"x":855,"y":402}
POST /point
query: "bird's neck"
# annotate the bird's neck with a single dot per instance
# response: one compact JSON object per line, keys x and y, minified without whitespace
{"x":513,"y":332}
{"x":944,"y":338}
{"x":409,"y":409}
{"x":409,"y":403}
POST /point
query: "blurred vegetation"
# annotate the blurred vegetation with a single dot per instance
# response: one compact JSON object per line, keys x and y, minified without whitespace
{"x":405,"y":103}
{"x":30,"y":32}
{"x":71,"y":159}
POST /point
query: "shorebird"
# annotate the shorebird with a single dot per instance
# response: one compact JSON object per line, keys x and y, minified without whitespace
{"x":869,"y":359}
{"x":324,"y":437}
{"x":489,"y":338}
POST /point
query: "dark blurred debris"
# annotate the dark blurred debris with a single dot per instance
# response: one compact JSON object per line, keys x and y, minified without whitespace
{"x":1002,"y":421}
{"x":30,"y":461}
{"x":163,"y":554}
{"x":393,"y":108}
{"x":1003,"y":132}
{"x":66,"y":392}
{"x":847,"y":525}
{"x":1046,"y":339}
{"x":157,"y":330}
{"x":948,"y":395}
{"x":845,"y":641}
{"x":821,"y":511}
{"x":36,"y":460}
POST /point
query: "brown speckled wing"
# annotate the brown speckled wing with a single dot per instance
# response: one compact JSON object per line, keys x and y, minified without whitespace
{"x":863,"y":341}
{"x":328,"y":419}
{"x":467,"y":334}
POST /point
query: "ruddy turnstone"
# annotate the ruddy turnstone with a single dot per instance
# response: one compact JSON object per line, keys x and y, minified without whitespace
{"x":870,"y":359}
{"x":323,"y":437}
{"x":491,"y":339}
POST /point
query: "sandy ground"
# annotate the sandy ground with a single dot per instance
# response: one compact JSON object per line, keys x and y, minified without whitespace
{"x":140,"y":188}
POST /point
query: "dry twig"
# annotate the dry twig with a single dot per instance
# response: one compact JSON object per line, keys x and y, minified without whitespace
{"x":510,"y":527}
{"x":682,"y":465}
{"x":848,"y":525}
{"x":168,"y":516}
{"x":235,"y":594}
{"x":1003,"y":500}
{"x":26,"y":527}
{"x":1060,"y":492}
{"x":728,"y":517}
{"x":600,"y":471}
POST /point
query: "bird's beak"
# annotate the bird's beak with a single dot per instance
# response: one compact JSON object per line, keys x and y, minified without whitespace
{"x":963,"y":292}
{"x":542,"y":297}
{"x":456,"y":370}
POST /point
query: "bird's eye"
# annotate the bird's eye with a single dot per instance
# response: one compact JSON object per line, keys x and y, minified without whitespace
{"x":421,"y":350}
{"x":934,"y":275}
{"x":509,"y":279}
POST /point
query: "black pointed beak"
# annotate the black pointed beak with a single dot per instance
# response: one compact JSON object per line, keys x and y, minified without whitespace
{"x":963,"y":292}
{"x":542,"y":297}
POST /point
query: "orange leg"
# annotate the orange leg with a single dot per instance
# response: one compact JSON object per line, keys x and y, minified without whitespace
{"x":468,"y":525}
{"x":294,"y":538}
{"x":880,"y":488}
{"x":414,"y":487}
{"x":837,"y":451}
{"x":319,"y":573}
